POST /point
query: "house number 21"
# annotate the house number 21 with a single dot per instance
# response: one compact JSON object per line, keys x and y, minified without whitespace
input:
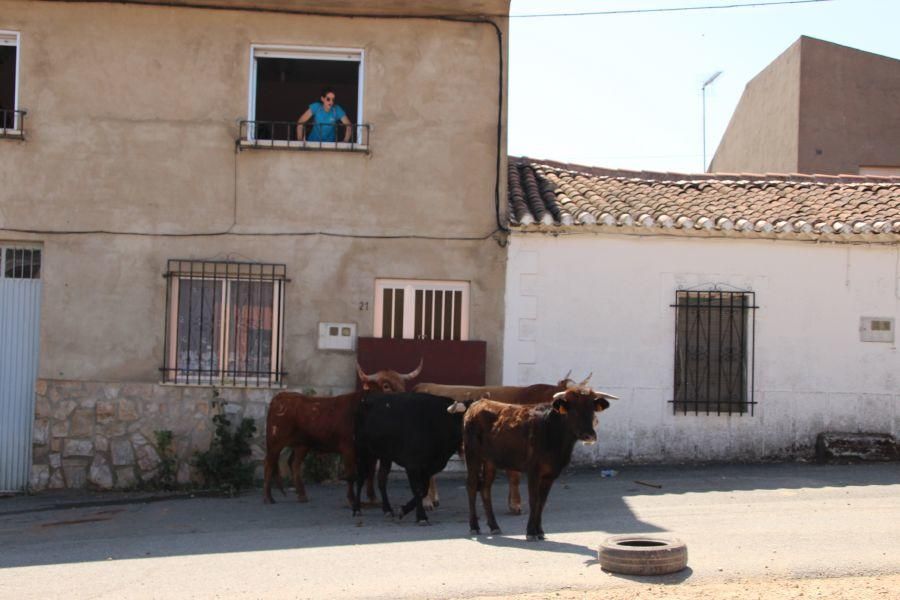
{"x":363,"y":306}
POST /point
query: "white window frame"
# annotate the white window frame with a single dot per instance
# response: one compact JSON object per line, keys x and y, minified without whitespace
{"x":221,"y":377}
{"x":307,"y":53}
{"x":13,"y":38}
{"x":410,"y":286}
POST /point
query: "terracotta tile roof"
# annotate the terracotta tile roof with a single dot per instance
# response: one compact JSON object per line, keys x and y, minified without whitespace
{"x":547,"y":196}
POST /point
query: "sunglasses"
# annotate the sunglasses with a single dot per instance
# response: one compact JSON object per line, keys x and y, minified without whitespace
{"x":329,"y":98}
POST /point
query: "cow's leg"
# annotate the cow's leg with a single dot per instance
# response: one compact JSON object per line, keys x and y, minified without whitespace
{"x":348,"y":462}
{"x":370,"y":482}
{"x":473,"y":468}
{"x":299,"y":453}
{"x":363,"y":466}
{"x":384,"y":469}
{"x":514,"y":500}
{"x":418,"y":483}
{"x":432,"y":500}
{"x":546,"y":482}
{"x":490,"y":472}
{"x":273,"y":451}
{"x":535,"y":506}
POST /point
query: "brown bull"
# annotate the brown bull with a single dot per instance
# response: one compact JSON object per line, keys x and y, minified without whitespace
{"x":536,"y":439}
{"x":508,"y":394}
{"x":320,"y":423}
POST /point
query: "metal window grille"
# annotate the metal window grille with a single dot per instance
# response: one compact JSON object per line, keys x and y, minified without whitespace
{"x":224,"y":323}
{"x":20,"y":263}
{"x":422,"y":311}
{"x":310,"y":136}
{"x":12,"y":124}
{"x":714,"y":348}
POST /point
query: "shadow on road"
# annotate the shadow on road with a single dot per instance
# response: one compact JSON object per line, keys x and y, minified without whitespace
{"x":49,"y":529}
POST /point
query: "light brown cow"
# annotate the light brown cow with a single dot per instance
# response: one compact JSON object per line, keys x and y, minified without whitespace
{"x":508,"y":394}
{"x":323,"y":424}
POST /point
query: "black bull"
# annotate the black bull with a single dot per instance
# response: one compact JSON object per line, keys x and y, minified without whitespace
{"x":414,"y":430}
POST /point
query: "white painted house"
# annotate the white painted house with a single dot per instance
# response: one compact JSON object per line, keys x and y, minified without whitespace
{"x":736,"y":316}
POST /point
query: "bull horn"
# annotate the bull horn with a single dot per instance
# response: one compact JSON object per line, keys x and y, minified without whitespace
{"x":413,"y":374}
{"x":559,"y":395}
{"x":586,"y":379}
{"x":362,"y":374}
{"x":605,"y":395}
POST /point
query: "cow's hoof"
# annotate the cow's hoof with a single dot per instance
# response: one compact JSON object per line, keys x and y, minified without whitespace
{"x":423,"y":523}
{"x":437,"y":503}
{"x":534,"y":538}
{"x":302,"y":499}
{"x":389,"y":514}
{"x":268,"y":501}
{"x":357,"y":513}
{"x":496,"y":531}
{"x":515,"y":510}
{"x":474,"y":532}
{"x":428,"y":505}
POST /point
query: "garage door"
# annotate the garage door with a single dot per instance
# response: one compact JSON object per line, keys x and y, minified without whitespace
{"x":20,"y":303}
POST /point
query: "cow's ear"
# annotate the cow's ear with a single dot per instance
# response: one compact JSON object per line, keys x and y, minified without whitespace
{"x":366,"y":387}
{"x":600,"y":404}
{"x":559,"y":405}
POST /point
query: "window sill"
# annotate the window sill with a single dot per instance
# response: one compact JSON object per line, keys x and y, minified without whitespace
{"x":303,"y":145}
{"x":12,"y":134}
{"x":226,"y":384}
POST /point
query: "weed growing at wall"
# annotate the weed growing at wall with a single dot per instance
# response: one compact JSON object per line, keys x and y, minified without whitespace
{"x":165,"y":473}
{"x":224,"y":466}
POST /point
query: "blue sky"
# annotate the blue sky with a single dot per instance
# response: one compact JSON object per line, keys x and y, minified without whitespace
{"x":624,"y":90}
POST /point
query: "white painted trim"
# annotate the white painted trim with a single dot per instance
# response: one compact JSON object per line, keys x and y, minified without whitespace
{"x":13,"y":38}
{"x":303,"y":144}
{"x":307,"y":53}
{"x":410,"y":286}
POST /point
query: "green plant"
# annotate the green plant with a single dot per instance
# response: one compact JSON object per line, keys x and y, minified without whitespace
{"x":165,"y":473}
{"x":321,"y":467}
{"x":224,"y":465}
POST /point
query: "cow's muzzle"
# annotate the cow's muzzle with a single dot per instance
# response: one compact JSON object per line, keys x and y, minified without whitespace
{"x":588,"y":438}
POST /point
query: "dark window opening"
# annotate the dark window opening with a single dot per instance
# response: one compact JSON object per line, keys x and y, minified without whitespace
{"x":285,"y":87}
{"x":7,"y":87}
{"x":714,"y":343}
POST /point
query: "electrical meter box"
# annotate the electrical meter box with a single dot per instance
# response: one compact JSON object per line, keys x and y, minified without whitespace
{"x":337,"y":336}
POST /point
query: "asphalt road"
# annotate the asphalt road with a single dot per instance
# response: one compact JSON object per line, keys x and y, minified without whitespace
{"x":754,"y":521}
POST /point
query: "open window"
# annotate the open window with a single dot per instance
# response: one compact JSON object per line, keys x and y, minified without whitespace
{"x":286,"y":80}
{"x":10,"y":116}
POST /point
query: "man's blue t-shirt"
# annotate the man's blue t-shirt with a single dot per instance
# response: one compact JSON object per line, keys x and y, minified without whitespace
{"x":323,"y":129}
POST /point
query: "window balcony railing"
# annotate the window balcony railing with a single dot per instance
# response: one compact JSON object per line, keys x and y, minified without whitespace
{"x":12,"y":124}
{"x":292,"y":136}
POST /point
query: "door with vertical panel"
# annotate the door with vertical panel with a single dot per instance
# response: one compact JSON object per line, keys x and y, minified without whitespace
{"x":20,"y":303}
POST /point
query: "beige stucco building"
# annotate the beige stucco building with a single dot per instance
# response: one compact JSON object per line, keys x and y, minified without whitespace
{"x":191,"y":247}
{"x":818,"y":108}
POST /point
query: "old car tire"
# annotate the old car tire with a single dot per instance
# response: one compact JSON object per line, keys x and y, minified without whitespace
{"x":642,"y":555}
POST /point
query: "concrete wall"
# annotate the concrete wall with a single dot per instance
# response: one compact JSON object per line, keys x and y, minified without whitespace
{"x":129,"y":160}
{"x":817,"y":108}
{"x":761,"y":136}
{"x":848,"y":109}
{"x":131,"y":128}
{"x":602,"y":304}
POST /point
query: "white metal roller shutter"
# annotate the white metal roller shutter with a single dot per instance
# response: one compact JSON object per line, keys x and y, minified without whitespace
{"x":20,"y":302}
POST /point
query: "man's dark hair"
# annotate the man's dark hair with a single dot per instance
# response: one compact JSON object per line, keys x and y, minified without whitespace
{"x":325,"y":91}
